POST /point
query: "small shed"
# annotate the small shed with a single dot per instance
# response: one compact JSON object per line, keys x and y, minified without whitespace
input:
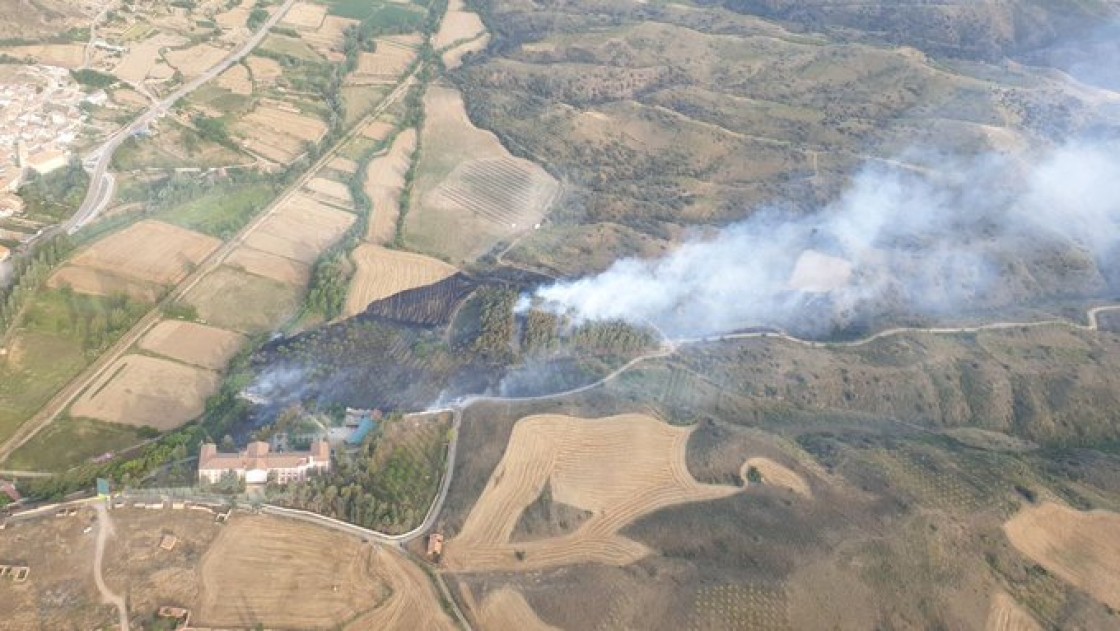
{"x":102,"y":488}
{"x":435,"y":545}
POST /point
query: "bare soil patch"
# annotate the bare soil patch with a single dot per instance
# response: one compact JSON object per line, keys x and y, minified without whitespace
{"x":774,"y":474}
{"x":301,"y":230}
{"x":195,"y":60}
{"x":287,"y":574}
{"x":1081,"y":547}
{"x":193,"y":343}
{"x":619,"y":468}
{"x":470,"y":192}
{"x":343,"y":165}
{"x":85,"y":280}
{"x":378,"y":130}
{"x":269,"y":265}
{"x":149,"y":251}
{"x":141,"y":390}
{"x":457,"y":25}
{"x":1007,"y":615}
{"x":382,"y":272}
{"x":236,"y":80}
{"x":222,"y":298}
{"x":384,"y":183}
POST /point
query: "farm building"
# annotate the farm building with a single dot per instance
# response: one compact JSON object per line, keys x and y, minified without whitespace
{"x":256,"y":462}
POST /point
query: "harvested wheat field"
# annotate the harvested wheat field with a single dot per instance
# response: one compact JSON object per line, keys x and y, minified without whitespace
{"x":142,"y":390}
{"x":70,"y":56}
{"x":774,"y":474}
{"x":301,"y":229}
{"x":277,"y":134}
{"x":328,"y":40}
{"x":471,"y":192}
{"x":388,"y":62}
{"x":287,"y":574}
{"x":222,"y":296}
{"x":378,"y":130}
{"x":343,"y":165}
{"x":149,"y":251}
{"x":265,"y":71}
{"x":195,"y":60}
{"x":453,"y":57}
{"x":236,"y":17}
{"x":505,"y":609}
{"x":457,"y":25}
{"x":236,"y":80}
{"x":304,"y":16}
{"x":413,"y":603}
{"x":618,"y":468}
{"x":330,"y":191}
{"x":269,"y":265}
{"x":191,"y":343}
{"x":1007,"y":615}
{"x":95,"y":282}
{"x":384,"y":183}
{"x":381,"y":273}
{"x":1080,"y":547}
{"x":141,"y":59}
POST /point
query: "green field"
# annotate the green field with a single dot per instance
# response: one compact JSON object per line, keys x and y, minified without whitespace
{"x":220,"y":212}
{"x":68,"y":442}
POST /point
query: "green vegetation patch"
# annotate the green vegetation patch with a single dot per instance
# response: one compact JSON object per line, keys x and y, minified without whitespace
{"x":67,"y":442}
{"x":55,"y":196}
{"x":221,"y":211}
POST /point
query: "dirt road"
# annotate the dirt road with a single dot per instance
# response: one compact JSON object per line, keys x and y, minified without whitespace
{"x":104,"y":531}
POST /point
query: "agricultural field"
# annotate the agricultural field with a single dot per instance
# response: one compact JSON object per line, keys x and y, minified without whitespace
{"x":505,"y":609}
{"x":616,"y":468}
{"x":458,"y":25}
{"x":69,"y":56}
{"x":384,"y":183}
{"x":221,"y":296}
{"x":330,"y":191}
{"x":147,"y":252}
{"x":142,"y":61}
{"x":328,"y":39}
{"x":381,"y":273}
{"x":278,"y":134}
{"x":264,"y":70}
{"x":386,"y":64}
{"x":1080,"y":547}
{"x":301,"y":229}
{"x":304,"y":16}
{"x":71,"y":441}
{"x":469,"y":192}
{"x":221,"y":211}
{"x":146,"y":391}
{"x":268,"y":265}
{"x":99,"y":282}
{"x":237,"y":80}
{"x":193,"y":61}
{"x":192,"y":343}
{"x":174,"y":145}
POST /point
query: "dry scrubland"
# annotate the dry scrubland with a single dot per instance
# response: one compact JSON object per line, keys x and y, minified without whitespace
{"x":384,"y":183}
{"x":191,"y":343}
{"x":139,"y":260}
{"x":142,"y":390}
{"x":470,"y":193}
{"x":277,"y":134}
{"x":617,"y":468}
{"x":1081,"y":547}
{"x":287,"y":574}
{"x":1008,"y":615}
{"x":382,"y":272}
{"x":774,"y":474}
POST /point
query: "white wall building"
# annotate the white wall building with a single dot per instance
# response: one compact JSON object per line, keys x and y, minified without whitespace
{"x":256,"y":462}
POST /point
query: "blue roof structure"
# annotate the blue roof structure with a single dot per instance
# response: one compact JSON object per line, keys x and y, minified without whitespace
{"x":364,"y":428}
{"x":102,"y":487}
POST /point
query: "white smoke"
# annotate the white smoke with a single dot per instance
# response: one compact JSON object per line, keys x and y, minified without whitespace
{"x":974,"y":234}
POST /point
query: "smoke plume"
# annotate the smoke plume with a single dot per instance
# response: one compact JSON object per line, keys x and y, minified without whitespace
{"x":972,"y":234}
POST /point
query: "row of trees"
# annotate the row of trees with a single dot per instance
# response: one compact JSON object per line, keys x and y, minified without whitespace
{"x":28,"y":275}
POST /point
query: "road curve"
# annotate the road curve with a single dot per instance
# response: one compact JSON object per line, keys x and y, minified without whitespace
{"x":101,"y":182}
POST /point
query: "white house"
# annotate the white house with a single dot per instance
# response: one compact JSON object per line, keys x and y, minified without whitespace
{"x":255,"y":463}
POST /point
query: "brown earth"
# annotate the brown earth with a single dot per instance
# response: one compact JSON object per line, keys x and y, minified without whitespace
{"x":192,"y":343}
{"x":413,"y":603}
{"x":141,"y":390}
{"x":331,"y":191}
{"x":382,"y":273}
{"x":265,"y":70}
{"x":458,"y":24}
{"x":305,"y":16}
{"x":237,"y":80}
{"x":70,"y":56}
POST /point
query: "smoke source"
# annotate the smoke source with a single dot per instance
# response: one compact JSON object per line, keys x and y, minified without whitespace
{"x":977,"y":234}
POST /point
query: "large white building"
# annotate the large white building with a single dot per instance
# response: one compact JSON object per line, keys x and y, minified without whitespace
{"x":255,"y":463}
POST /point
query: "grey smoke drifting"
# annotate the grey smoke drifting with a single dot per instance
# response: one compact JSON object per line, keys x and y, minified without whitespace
{"x":974,"y":234}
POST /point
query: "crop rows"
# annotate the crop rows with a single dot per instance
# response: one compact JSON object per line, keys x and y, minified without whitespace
{"x":740,"y":607}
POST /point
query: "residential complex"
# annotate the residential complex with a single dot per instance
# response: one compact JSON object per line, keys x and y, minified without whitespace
{"x":257,"y":461}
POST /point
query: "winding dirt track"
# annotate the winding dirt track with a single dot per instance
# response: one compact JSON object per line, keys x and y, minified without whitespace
{"x":104,"y":531}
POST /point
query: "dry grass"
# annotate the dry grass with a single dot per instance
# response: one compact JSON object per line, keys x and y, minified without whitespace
{"x":288,"y":574}
{"x":1080,"y":547}
{"x":269,"y":265}
{"x":63,"y":55}
{"x":471,"y":192}
{"x":305,"y":16}
{"x":222,"y":298}
{"x":1006,"y":615}
{"x":236,"y":17}
{"x":142,"y":58}
{"x":301,"y":229}
{"x":148,"y":251}
{"x":141,"y":390}
{"x":384,"y":183}
{"x":191,"y":343}
{"x":331,"y":191}
{"x":774,"y":474}
{"x":236,"y":80}
{"x":265,"y":71}
{"x":618,"y":468}
{"x":505,"y":609}
{"x":382,"y":273}
{"x":195,"y":60}
{"x":457,"y":25}
{"x":85,"y":280}
{"x":413,"y":603}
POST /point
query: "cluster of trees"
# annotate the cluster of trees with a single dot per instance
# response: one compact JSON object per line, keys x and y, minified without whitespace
{"x":212,"y":129}
{"x":28,"y":275}
{"x":496,"y":325}
{"x":95,"y":321}
{"x":257,"y":17}
{"x":93,"y":78}
{"x":55,"y":196}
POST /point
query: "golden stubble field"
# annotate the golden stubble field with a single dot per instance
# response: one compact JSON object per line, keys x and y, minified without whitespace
{"x":457,"y":25}
{"x":505,"y":609}
{"x":142,"y":390}
{"x":277,"y":134}
{"x":469,"y":192}
{"x":301,"y":229}
{"x":382,"y":272}
{"x":384,"y":183}
{"x":1082,"y":548}
{"x":193,"y":343}
{"x":618,"y":468}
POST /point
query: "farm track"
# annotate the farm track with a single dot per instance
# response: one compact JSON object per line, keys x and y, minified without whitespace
{"x":59,"y":402}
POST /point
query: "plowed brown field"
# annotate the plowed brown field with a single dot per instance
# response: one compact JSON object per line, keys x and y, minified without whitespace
{"x":382,"y":273}
{"x":192,"y":343}
{"x":1080,"y":547}
{"x":618,"y":468}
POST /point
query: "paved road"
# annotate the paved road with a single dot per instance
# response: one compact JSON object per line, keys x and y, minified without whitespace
{"x":101,"y":182}
{"x":104,"y":531}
